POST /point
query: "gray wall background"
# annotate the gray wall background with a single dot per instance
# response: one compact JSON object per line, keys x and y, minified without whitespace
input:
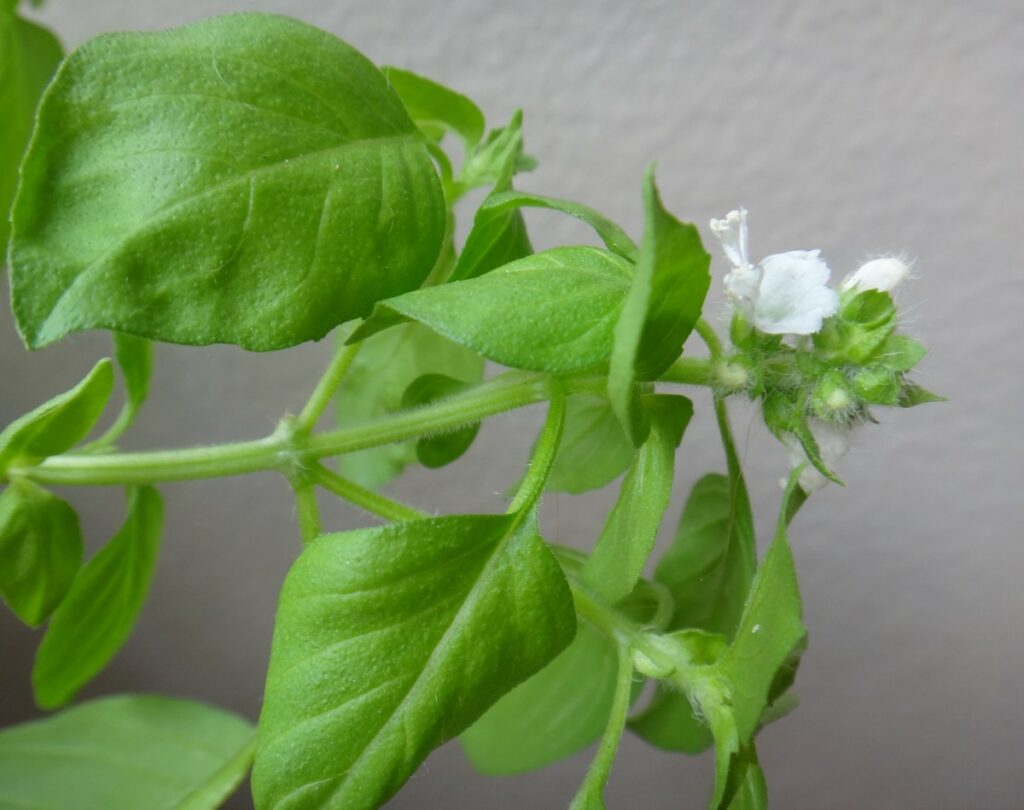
{"x":857,"y":128}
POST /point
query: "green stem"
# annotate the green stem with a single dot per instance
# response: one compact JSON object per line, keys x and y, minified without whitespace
{"x":689,"y":371}
{"x":710,"y":338}
{"x":543,"y":457}
{"x":286,"y":449}
{"x":307,"y":511}
{"x":591,"y":791}
{"x":325,"y":388}
{"x":365,"y":499}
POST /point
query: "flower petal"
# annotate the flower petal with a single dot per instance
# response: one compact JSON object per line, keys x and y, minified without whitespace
{"x":732,"y":233}
{"x":884,"y":274}
{"x":794,"y":296}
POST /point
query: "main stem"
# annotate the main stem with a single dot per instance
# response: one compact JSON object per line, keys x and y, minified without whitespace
{"x":287,"y":449}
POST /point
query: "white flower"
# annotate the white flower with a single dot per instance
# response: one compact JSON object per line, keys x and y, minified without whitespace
{"x":884,"y":274}
{"x":786,"y":293}
{"x":833,"y":443}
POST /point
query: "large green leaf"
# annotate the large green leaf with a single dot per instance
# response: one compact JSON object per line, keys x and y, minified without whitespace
{"x":663,"y":305}
{"x":552,"y":311}
{"x":126,"y":753}
{"x":99,"y":612}
{"x":386,"y":365}
{"x":248,"y":179}
{"x":28,"y":57}
{"x":559,"y":711}
{"x":390,"y":641}
{"x":41,"y":549}
{"x":631,"y":528}
{"x":594,"y":450}
{"x":60,"y":423}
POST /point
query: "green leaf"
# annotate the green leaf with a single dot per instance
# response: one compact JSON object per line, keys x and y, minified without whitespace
{"x":499,"y":238}
{"x":590,"y":796}
{"x":29,"y":54}
{"x":430,"y":105}
{"x":57,"y":425}
{"x":631,"y":528}
{"x":497,"y":206}
{"x":386,"y":365}
{"x":497,"y":159}
{"x":708,"y":569}
{"x":770,"y":630}
{"x":41,"y":549}
{"x":747,"y":789}
{"x":900,"y":353}
{"x":99,"y":612}
{"x":663,"y":305}
{"x":556,"y":713}
{"x":594,"y":450}
{"x":553,"y":311}
{"x":128,"y":752}
{"x":247,"y":179}
{"x":913,"y":394}
{"x":390,"y":641}
{"x":135,"y":359}
{"x":437,"y":451}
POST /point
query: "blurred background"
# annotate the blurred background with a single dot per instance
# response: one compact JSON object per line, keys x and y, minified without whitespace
{"x":856,"y":128}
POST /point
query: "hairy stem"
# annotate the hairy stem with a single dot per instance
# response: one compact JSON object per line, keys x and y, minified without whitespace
{"x":287,"y":449}
{"x":325,"y":388}
{"x":365,"y":499}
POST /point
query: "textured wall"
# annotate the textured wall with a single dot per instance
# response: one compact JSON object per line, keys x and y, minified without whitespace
{"x":856,"y":128}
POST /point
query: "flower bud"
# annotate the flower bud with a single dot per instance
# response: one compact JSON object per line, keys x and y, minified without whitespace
{"x":884,"y":274}
{"x":833,"y":399}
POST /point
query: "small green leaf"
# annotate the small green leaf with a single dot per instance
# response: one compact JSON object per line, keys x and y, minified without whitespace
{"x":437,"y":451}
{"x":247,"y":179}
{"x":590,"y":796}
{"x":496,"y":239}
{"x":497,"y":205}
{"x":135,"y":359}
{"x":559,"y":711}
{"x":594,"y":450}
{"x":913,"y":394}
{"x":41,"y":549}
{"x":770,"y":630}
{"x":497,"y":159}
{"x":57,"y":425}
{"x":553,"y":311}
{"x":430,"y":105}
{"x":390,"y":641}
{"x":126,"y":753}
{"x":99,"y":612}
{"x":708,"y":570}
{"x":631,"y":529}
{"x":747,"y":789}
{"x":900,"y":353}
{"x":29,"y":55}
{"x":386,"y":365}
{"x":664,"y":304}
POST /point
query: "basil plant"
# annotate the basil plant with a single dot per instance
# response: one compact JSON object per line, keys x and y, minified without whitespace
{"x":254,"y":181}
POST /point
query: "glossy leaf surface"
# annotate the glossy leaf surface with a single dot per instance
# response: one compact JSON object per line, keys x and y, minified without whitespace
{"x":248,"y":179}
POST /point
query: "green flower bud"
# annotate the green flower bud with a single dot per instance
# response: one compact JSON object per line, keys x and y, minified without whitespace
{"x":878,"y":385}
{"x":833,"y":398}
